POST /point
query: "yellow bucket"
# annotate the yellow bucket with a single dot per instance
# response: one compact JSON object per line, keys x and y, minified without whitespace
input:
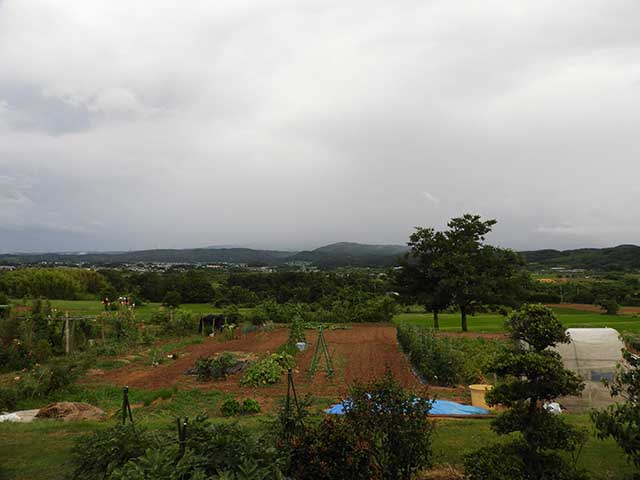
{"x":477,"y":395}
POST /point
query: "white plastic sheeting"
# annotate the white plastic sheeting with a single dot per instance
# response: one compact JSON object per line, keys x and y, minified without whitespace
{"x":21,"y":416}
{"x":594,"y":354}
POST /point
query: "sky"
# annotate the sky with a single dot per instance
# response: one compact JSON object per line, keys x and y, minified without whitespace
{"x":290,"y":124}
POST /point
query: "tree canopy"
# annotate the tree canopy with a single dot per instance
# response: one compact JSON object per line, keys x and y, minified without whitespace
{"x":456,"y":267}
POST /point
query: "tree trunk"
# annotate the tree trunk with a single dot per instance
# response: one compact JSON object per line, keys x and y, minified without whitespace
{"x":436,"y":322}
{"x":463,"y":316}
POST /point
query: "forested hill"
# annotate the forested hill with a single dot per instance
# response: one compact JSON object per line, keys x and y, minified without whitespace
{"x":187,"y":255}
{"x":352,"y":254}
{"x":329,"y":256}
{"x":622,"y":257}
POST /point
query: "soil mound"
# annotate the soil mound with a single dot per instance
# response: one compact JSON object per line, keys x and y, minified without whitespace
{"x":71,"y":411}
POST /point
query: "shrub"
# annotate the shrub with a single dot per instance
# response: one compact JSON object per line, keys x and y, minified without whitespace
{"x":230,"y":408}
{"x":39,"y":383}
{"x":384,"y":434}
{"x":232,"y":315}
{"x":160,"y":464}
{"x":176,"y":321}
{"x":250,"y":406}
{"x":232,"y":449}
{"x":284,"y":359}
{"x":214,"y":368}
{"x":609,"y":305}
{"x":263,"y":372}
{"x":96,"y":456}
{"x":172,"y":299}
{"x":331,"y":450}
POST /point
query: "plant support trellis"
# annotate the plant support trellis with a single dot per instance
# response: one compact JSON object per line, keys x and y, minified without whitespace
{"x":321,"y":349}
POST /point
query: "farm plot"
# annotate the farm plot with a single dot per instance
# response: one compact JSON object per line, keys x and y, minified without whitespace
{"x":362,"y":352}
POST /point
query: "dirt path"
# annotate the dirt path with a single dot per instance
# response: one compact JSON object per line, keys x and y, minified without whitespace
{"x":361,"y":353}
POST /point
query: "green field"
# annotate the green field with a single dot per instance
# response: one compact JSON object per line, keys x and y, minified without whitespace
{"x":495,"y":323}
{"x":448,"y":321}
{"x":93,"y":307}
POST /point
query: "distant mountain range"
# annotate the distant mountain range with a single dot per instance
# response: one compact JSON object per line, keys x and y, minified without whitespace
{"x":623,"y":257}
{"x":329,"y":256}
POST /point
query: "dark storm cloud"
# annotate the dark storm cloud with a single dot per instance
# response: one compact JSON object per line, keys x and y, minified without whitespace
{"x":288,"y":124}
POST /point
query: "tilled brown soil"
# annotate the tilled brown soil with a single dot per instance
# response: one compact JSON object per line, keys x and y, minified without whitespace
{"x":360,"y":353}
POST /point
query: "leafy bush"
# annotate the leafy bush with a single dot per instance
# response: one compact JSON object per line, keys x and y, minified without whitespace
{"x":211,"y":452}
{"x":331,"y":450}
{"x":234,"y":451}
{"x":250,"y":406}
{"x":445,"y":360}
{"x":263,"y":372}
{"x":96,"y":456}
{"x":214,"y":368}
{"x":232,"y":314}
{"x":172,"y":299}
{"x":230,"y":408}
{"x":609,"y":305}
{"x":160,"y":464}
{"x":284,"y":359}
{"x":385,"y":434}
{"x":39,"y":383}
{"x":176,"y":321}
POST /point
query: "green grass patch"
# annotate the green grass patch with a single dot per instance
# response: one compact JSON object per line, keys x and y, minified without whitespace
{"x":492,"y":323}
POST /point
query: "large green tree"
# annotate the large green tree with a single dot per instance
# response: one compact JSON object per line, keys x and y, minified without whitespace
{"x":423,"y":270}
{"x":530,"y":374}
{"x":478,"y":273}
{"x":456,"y":267}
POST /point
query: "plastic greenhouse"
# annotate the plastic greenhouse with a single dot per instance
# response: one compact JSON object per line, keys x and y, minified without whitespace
{"x":593,"y":353}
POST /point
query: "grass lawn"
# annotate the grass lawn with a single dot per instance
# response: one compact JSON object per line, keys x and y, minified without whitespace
{"x":448,"y":321}
{"x":455,"y":438}
{"x":494,"y":323}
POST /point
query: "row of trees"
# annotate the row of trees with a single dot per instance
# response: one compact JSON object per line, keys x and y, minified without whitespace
{"x":63,"y":283}
{"x":455,"y":267}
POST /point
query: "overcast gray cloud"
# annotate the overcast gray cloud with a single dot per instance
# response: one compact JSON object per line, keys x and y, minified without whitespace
{"x":136,"y":124}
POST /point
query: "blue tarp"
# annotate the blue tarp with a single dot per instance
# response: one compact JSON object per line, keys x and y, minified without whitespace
{"x":438,"y":407}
